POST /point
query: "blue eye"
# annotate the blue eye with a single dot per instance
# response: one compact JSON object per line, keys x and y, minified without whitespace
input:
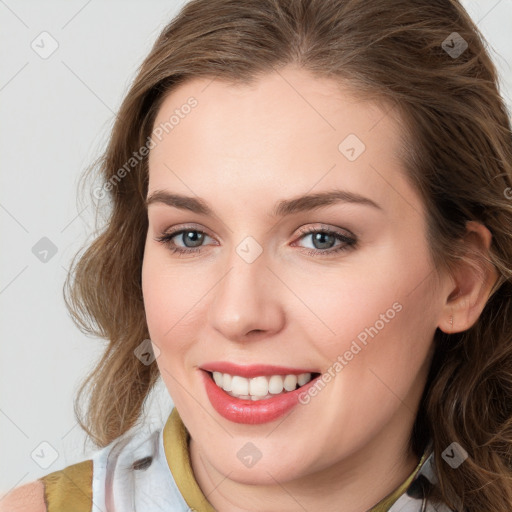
{"x":192,"y":236}
{"x":326,"y":237}
{"x":323,"y":240}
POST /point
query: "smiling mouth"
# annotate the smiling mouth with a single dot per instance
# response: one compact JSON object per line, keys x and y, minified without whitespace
{"x":260,"y":387}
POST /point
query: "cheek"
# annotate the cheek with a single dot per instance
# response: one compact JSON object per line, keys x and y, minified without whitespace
{"x":377,"y":326}
{"x":158,"y":299}
{"x":174,"y":305}
{"x":383,"y":350}
{"x":364,"y":302}
{"x":164,"y":300}
{"x":165,"y":294}
{"x":161,"y":301}
{"x":379,"y":365}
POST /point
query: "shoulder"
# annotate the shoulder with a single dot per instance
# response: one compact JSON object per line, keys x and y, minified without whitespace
{"x":26,"y":498}
{"x":132,"y":468}
{"x":70,"y":486}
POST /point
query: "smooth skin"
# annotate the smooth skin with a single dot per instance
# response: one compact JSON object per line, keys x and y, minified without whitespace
{"x":25,"y":498}
{"x":242,"y":150}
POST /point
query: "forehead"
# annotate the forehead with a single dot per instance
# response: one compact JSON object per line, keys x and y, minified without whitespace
{"x":288,"y":130}
{"x":278,"y":105}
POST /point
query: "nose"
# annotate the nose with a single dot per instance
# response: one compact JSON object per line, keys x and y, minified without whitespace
{"x":246,"y":301}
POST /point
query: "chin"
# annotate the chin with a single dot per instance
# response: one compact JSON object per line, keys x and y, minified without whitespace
{"x":263,"y":472}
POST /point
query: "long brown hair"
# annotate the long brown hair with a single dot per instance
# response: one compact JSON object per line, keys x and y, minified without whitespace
{"x":458,"y":152}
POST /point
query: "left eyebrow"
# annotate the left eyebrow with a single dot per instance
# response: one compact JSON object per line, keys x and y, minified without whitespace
{"x":319,"y":200}
{"x":281,"y":209}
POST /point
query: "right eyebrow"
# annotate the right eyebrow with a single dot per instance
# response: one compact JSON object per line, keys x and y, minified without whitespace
{"x":193,"y":204}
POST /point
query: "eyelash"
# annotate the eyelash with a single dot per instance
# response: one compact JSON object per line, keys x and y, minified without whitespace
{"x":349,"y":242}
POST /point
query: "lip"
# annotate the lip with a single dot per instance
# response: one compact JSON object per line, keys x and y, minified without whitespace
{"x":252,"y":412}
{"x":252,"y":370}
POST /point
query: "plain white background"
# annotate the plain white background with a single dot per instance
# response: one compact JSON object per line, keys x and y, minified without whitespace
{"x":56,"y":113}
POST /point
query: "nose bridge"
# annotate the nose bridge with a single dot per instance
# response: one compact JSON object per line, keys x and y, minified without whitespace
{"x":243,"y":300}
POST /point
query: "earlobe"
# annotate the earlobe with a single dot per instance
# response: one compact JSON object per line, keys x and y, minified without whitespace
{"x":472,"y":281}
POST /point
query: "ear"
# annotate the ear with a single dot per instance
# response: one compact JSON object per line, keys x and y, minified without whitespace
{"x":472,"y":281}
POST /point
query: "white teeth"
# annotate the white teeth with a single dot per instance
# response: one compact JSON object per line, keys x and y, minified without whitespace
{"x":239,"y":385}
{"x":259,"y":388}
{"x":303,"y":378}
{"x":275,"y":384}
{"x":217,"y":377}
{"x":290,"y":382}
{"x":226,"y":381}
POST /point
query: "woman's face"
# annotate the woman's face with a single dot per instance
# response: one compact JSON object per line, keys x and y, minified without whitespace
{"x":279,"y":273}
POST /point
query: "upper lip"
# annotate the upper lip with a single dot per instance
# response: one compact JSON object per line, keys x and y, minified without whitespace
{"x":252,"y":370}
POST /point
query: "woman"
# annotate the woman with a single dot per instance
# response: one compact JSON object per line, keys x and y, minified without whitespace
{"x":310,"y":242}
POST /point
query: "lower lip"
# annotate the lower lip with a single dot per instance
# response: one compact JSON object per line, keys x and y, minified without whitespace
{"x":251,"y":412}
